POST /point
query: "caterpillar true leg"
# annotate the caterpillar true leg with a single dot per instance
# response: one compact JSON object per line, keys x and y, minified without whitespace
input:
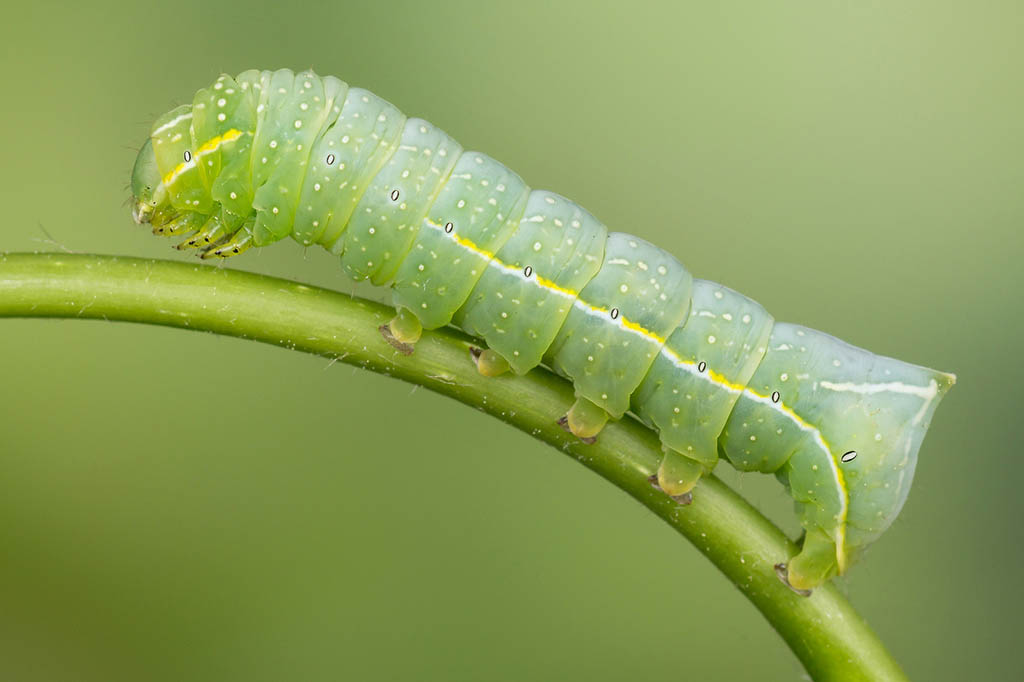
{"x":214,"y":230}
{"x":239,"y":242}
{"x":182,"y":224}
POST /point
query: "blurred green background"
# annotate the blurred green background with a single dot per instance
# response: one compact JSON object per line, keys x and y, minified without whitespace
{"x":855,"y":167}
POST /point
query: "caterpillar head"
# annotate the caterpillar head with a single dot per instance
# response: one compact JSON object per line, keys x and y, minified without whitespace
{"x":146,"y":185}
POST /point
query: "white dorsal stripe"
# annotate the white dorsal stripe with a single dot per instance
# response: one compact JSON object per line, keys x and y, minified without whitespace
{"x":173,"y":122}
{"x":925,"y":392}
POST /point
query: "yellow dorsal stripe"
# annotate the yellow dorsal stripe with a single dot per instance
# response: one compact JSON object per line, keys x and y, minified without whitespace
{"x":207,"y":147}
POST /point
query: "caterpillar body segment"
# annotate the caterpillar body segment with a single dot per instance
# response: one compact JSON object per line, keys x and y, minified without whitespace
{"x":620,"y":321}
{"x":462,"y":239}
{"x":179,"y":168}
{"x":385,"y":224}
{"x":475,"y":213}
{"x":697,"y":377}
{"x":525,"y":294}
{"x":365,"y":136}
{"x":233,"y":187}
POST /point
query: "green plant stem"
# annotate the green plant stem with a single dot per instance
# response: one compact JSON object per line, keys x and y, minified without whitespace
{"x":826,"y":634}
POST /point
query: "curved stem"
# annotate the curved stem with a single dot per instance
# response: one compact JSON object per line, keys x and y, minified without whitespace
{"x":824,"y":631}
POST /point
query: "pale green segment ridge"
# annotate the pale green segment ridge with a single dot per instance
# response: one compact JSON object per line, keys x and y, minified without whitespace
{"x":233,"y":187}
{"x":382,"y":229}
{"x":315,"y":203}
{"x":297,"y":110}
{"x":483,"y":201}
{"x":688,"y":406}
{"x":364,"y":138}
{"x":345,"y":157}
{"x":607,"y":358}
{"x":172,"y":142}
{"x":223,"y":121}
{"x":520,"y":314}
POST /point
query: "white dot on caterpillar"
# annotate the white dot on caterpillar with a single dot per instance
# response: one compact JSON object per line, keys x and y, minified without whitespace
{"x":298,"y":124}
{"x":222,"y":117}
{"x":188,"y":156}
{"x":330,"y":159}
{"x":527,"y":271}
{"x":394,"y":195}
{"x":273,"y":144}
{"x":615,"y":313}
{"x":712,"y":339}
{"x":849,"y":456}
{"x":448,"y":227}
{"x":221,"y":102}
{"x":702,"y":366}
{"x":776,"y":397}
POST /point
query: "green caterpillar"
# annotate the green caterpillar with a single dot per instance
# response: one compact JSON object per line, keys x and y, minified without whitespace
{"x":462,"y":240}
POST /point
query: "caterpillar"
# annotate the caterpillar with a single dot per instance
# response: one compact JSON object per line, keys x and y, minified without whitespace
{"x":463,"y":241}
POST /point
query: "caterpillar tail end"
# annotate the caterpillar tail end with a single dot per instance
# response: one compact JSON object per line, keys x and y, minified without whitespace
{"x":488,"y":362}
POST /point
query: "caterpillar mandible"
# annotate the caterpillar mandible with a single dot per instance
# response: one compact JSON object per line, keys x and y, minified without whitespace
{"x":462,"y":240}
